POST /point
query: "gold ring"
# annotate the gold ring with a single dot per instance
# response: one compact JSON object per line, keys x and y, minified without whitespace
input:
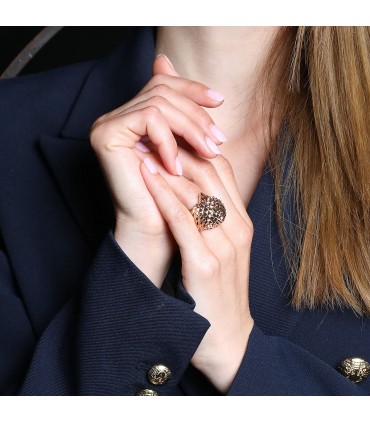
{"x":208,"y":213}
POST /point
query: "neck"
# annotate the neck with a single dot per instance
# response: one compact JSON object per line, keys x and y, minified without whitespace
{"x":229,"y":60}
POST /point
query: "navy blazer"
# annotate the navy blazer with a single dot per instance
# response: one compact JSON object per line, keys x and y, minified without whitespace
{"x":77,"y":317}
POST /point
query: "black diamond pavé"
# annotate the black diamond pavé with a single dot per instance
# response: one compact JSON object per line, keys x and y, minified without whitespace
{"x":209,"y":213}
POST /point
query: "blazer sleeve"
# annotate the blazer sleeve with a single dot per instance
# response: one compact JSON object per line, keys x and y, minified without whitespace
{"x":107,"y":337}
{"x":17,"y":339}
{"x":273,"y":365}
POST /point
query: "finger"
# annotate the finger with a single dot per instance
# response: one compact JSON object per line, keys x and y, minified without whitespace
{"x":204,"y":175}
{"x":218,"y":184}
{"x":177,"y":216}
{"x":181,"y":124}
{"x":196,"y":113}
{"x":194,"y":90}
{"x":216,"y":177}
{"x":129,"y":128}
{"x":183,"y":103}
{"x":162,"y":64}
{"x":188,"y":193}
{"x":187,"y":106}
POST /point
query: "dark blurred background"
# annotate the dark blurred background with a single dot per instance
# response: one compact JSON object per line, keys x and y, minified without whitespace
{"x":69,"y":45}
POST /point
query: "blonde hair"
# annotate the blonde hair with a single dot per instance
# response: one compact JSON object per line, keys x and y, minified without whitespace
{"x":324,"y":96}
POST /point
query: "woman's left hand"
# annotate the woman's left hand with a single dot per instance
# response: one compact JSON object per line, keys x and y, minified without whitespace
{"x":215,"y":262}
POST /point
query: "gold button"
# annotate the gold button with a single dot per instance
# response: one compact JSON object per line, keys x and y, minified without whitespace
{"x":159,"y":374}
{"x":147,"y":393}
{"x":355,"y":369}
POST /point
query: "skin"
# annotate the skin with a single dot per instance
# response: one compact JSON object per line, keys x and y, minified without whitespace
{"x":155,"y":183}
{"x":227,"y":59}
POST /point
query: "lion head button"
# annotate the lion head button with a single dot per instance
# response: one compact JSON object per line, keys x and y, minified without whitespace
{"x":159,"y":374}
{"x":355,"y":369}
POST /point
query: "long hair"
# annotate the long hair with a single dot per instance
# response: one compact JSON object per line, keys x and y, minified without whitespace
{"x":324,"y":97}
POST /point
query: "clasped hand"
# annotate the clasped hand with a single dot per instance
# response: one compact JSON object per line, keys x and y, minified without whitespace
{"x":166,"y":180}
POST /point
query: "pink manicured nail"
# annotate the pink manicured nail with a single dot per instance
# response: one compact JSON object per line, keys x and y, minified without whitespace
{"x":178,"y":166}
{"x":212,"y":146}
{"x":141,"y":147}
{"x":215,"y":95}
{"x":168,"y":60}
{"x":150,"y":165}
{"x":218,"y":133}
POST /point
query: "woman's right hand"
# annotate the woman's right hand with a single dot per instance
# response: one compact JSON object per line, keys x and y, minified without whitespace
{"x":167,"y":106}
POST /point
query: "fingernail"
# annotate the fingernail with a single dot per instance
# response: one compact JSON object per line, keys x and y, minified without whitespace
{"x":212,"y":146}
{"x":142,"y":147}
{"x":150,"y":165}
{"x":215,"y":95}
{"x":218,"y":133}
{"x":168,"y":60}
{"x":178,"y":166}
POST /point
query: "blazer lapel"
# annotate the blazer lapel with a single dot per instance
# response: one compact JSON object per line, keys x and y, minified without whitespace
{"x":78,"y":176}
{"x":113,"y":81}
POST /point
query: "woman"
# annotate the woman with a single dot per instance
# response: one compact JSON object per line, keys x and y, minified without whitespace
{"x":135,"y":293}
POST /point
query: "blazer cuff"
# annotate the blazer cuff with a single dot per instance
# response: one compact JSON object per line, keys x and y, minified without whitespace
{"x":128,"y":325}
{"x":173,"y":282}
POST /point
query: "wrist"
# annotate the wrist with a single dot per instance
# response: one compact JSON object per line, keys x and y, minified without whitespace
{"x":223,"y":368}
{"x":151,"y":254}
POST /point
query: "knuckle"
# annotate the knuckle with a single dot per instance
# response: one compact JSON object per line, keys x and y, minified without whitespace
{"x":250,"y":227}
{"x":103,"y":118}
{"x":224,"y":165}
{"x":99,"y":135}
{"x":161,"y":90}
{"x":158,"y":79}
{"x":209,"y":267}
{"x":194,"y":85}
{"x":244,"y":234}
{"x":151,"y":112}
{"x":206,"y":168}
{"x":97,"y":123}
{"x":179,"y":214}
{"x":203,"y":116}
{"x":158,"y":101}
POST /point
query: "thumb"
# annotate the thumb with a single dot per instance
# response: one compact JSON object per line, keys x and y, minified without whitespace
{"x":162,"y":64}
